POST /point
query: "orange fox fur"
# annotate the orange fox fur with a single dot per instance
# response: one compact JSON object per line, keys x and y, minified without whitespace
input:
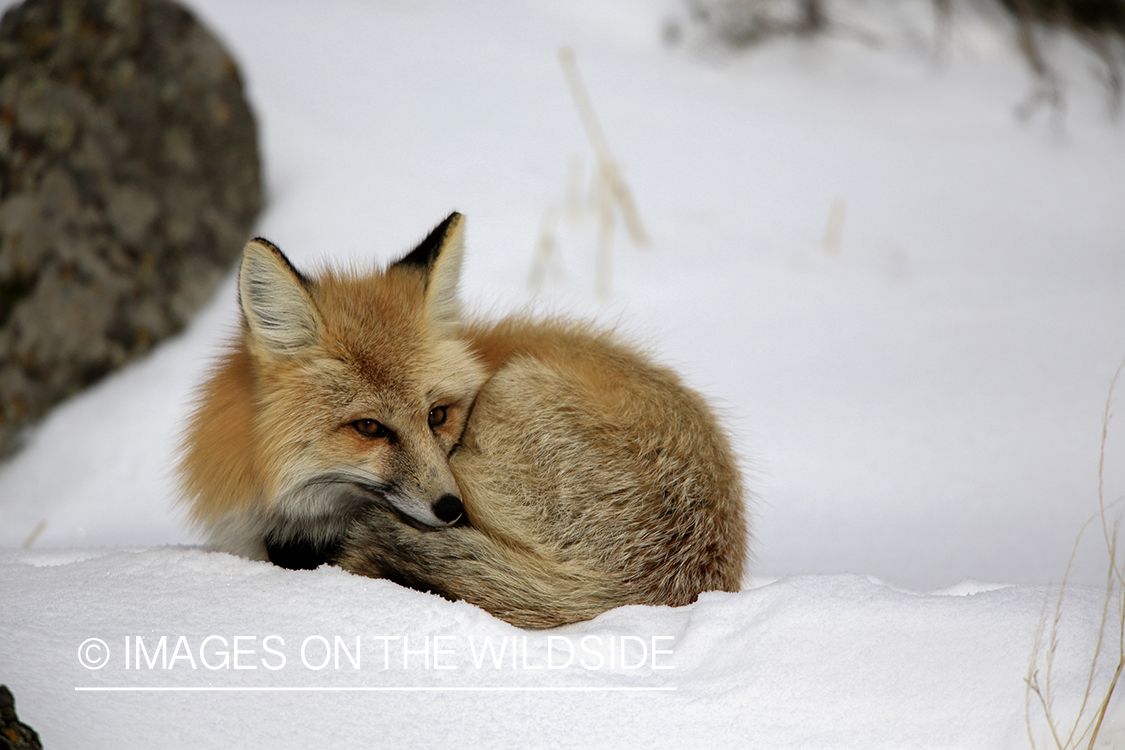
{"x":541,"y":470}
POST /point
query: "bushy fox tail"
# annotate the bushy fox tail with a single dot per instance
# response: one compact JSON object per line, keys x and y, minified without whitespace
{"x":466,"y":563}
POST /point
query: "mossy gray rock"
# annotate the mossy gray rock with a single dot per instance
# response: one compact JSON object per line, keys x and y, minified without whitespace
{"x":129,"y":180}
{"x":14,"y":734}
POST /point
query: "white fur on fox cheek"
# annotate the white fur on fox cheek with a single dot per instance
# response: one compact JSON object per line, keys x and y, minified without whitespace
{"x":419,"y":511}
{"x":302,"y":492}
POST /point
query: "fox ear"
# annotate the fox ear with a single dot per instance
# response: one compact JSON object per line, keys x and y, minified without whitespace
{"x":275,"y":301}
{"x":439,"y":256}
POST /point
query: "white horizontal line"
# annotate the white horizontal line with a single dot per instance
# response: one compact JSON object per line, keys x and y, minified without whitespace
{"x":371,"y":689}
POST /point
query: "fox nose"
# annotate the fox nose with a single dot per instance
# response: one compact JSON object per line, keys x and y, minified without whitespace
{"x":448,"y":508}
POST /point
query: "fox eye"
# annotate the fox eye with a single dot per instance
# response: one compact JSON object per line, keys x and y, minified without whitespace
{"x":370,"y":428}
{"x":437,"y":416}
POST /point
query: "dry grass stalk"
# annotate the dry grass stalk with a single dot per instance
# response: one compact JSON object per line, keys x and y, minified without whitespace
{"x":610,"y":195}
{"x":1084,"y":730}
{"x":834,"y":230}
{"x":33,"y":537}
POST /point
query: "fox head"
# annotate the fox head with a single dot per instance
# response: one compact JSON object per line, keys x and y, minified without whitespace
{"x":343,"y":389}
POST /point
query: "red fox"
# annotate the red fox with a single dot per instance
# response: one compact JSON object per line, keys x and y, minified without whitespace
{"x":542,"y":470}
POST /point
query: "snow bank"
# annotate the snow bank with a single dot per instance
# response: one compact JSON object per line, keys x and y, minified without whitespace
{"x":918,"y":399}
{"x":253,"y":656}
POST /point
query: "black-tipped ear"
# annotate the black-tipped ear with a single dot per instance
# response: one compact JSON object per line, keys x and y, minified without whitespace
{"x":279,"y":313}
{"x":429,"y":249}
{"x":439,"y":258}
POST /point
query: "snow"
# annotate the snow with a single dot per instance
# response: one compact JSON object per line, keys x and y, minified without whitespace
{"x":810,"y":661}
{"x":919,"y":408}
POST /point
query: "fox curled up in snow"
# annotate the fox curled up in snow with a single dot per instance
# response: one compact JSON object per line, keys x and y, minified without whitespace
{"x":540,"y":470}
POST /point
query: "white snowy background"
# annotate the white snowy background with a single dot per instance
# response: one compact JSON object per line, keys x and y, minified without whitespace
{"x":906,"y":301}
